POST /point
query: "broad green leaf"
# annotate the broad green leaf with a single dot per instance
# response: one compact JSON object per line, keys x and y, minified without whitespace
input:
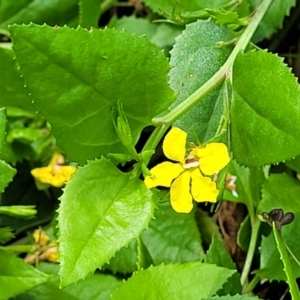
{"x":162,"y":35}
{"x":125,"y":260}
{"x":195,"y":58}
{"x":271,"y":267}
{"x":96,"y":287}
{"x":6,"y":174}
{"x":168,"y":6}
{"x":294,"y":164}
{"x":172,"y":237}
{"x":16,"y":276}
{"x":219,"y":256}
{"x":80,"y":84}
{"x":52,"y":12}
{"x":280,"y":191}
{"x":89,"y":13}
{"x":12,"y":89}
{"x":101,"y":211}
{"x":235,"y":297}
{"x":273,"y":19}
{"x":192,"y":280}
{"x":265,"y":115}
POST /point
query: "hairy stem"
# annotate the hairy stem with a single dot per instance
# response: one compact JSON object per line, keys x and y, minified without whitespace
{"x":167,"y":120}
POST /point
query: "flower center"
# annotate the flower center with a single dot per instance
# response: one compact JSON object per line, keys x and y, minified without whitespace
{"x":190,"y":162}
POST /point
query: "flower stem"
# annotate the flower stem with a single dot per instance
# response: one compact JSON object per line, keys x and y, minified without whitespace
{"x":255,"y":222}
{"x":218,"y":77}
{"x":106,"y":5}
{"x":252,"y":284}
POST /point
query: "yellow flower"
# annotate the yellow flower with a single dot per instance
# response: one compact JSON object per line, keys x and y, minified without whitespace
{"x":186,"y":177}
{"x":55,"y":173}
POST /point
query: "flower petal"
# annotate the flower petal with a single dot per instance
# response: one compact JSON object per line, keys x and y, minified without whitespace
{"x":203,"y":188}
{"x":181,"y":198}
{"x":163,"y":174}
{"x":213,"y":158}
{"x":174,"y":144}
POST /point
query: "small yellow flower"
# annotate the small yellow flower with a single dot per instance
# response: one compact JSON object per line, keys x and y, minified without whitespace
{"x":186,"y":177}
{"x":55,"y":173}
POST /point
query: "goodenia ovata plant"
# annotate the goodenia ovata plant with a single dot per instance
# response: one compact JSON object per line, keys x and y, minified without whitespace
{"x":215,"y":87}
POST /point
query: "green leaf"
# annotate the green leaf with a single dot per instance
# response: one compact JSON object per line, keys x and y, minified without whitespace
{"x":16,"y":276}
{"x":162,"y":35}
{"x":89,"y":13}
{"x":265,"y":115}
{"x":294,"y":164}
{"x":235,"y":297}
{"x":52,"y":12}
{"x":12,"y":88}
{"x":273,"y":19}
{"x":193,"y":280}
{"x":6,"y":174}
{"x":218,"y":255}
{"x":285,"y":257}
{"x":96,"y":287}
{"x":271,"y":267}
{"x":280,"y":191}
{"x":195,"y":58}
{"x":98,"y":203}
{"x":244,"y":234}
{"x":125,"y":260}
{"x":80,"y":88}
{"x":248,"y":184}
{"x":168,"y":6}
{"x":172,"y":237}
{"x":2,"y":127}
{"x":6,"y":234}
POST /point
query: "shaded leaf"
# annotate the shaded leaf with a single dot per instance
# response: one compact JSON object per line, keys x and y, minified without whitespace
{"x":235,"y":297}
{"x":99,"y":202}
{"x":17,"y":276}
{"x":273,"y":19}
{"x":172,"y":237}
{"x":195,"y":58}
{"x":218,"y":255}
{"x":265,"y":93}
{"x":89,"y":13}
{"x":193,"y":280}
{"x":5,"y":234}
{"x":6,"y":174}
{"x":280,"y":191}
{"x":93,"y":80}
{"x":52,"y":12}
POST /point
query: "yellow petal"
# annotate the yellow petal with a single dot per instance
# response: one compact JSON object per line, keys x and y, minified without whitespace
{"x":163,"y":174}
{"x":57,"y":159}
{"x":56,"y":175}
{"x":203,"y":188}
{"x":181,"y":198}
{"x":174,"y":144}
{"x":213,"y":158}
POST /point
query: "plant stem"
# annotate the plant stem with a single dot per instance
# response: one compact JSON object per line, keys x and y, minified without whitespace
{"x":105,"y":5}
{"x":218,"y":77}
{"x":167,"y":120}
{"x":252,"y":284}
{"x":255,"y":222}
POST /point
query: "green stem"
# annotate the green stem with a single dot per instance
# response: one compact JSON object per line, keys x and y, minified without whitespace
{"x":252,"y":284}
{"x":166,"y":121}
{"x":106,"y":5}
{"x":218,"y":77}
{"x":255,"y":222}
